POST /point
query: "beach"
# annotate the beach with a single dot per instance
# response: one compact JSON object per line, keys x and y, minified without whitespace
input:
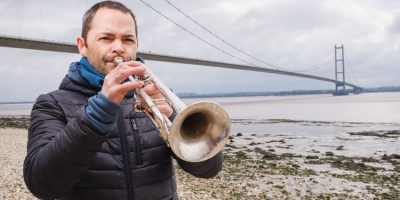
{"x":362,"y":162}
{"x":12,"y":154}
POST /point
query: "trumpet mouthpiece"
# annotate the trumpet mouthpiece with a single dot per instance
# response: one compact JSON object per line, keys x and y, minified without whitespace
{"x":118,"y":59}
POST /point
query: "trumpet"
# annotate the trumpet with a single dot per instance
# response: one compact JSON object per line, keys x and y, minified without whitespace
{"x":198,"y":132}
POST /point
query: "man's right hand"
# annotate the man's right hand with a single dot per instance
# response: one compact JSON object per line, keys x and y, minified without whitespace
{"x":114,"y":88}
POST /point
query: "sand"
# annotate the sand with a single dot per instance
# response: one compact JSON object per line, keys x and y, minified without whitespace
{"x":13,"y":151}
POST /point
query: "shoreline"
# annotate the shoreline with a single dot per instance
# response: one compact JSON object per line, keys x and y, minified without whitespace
{"x":265,"y":165}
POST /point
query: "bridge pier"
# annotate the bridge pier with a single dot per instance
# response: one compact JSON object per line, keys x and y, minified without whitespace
{"x":340,"y":84}
{"x":358,"y":90}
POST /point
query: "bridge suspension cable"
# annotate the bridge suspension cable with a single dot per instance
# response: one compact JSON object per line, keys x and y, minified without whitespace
{"x":312,"y":68}
{"x":351,"y":69}
{"x":196,"y":36}
{"x":319,"y":64}
{"x":218,"y":37}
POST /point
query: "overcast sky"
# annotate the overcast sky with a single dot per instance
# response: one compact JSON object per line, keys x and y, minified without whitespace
{"x":293,"y":35}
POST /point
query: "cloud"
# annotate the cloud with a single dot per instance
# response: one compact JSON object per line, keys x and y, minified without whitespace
{"x":395,"y":27}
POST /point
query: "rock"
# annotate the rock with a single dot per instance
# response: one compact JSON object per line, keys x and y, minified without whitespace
{"x":281,"y":141}
{"x":314,"y":151}
{"x":239,"y":134}
{"x":369,"y":160}
{"x":328,"y":153}
{"x":260,"y":151}
{"x":341,"y":147}
{"x":254,"y":143}
{"x":231,"y":146}
{"x":290,"y":155}
{"x":311,"y":157}
{"x":266,"y":155}
{"x":270,"y":156}
{"x":296,"y":166}
{"x":393,"y":156}
{"x":353,"y":166}
{"x":242,"y":155}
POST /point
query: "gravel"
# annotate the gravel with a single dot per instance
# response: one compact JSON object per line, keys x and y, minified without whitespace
{"x":13,"y":151}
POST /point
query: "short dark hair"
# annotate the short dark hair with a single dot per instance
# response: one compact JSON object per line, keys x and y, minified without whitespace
{"x":88,"y":17}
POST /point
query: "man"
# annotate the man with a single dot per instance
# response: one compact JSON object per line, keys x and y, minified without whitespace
{"x":85,"y":140}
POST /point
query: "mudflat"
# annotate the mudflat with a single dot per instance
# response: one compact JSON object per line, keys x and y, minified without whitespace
{"x":259,"y":166}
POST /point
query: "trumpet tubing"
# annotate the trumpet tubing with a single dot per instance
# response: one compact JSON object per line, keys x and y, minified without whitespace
{"x":198,"y":132}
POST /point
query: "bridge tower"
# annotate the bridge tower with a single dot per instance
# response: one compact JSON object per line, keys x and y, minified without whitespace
{"x":340,"y":72}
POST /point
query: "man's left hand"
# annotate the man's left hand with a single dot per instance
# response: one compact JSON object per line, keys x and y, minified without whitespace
{"x":159,"y":99}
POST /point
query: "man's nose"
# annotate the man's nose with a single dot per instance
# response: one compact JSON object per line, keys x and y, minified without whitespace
{"x":118,"y":47}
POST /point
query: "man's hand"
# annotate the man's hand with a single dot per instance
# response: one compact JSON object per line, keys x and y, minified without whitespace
{"x":159,"y":99}
{"x":113,"y":86}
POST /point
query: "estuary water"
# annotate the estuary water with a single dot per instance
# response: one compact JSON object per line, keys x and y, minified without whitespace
{"x":324,"y":118}
{"x":367,"y":107}
{"x":322,"y":122}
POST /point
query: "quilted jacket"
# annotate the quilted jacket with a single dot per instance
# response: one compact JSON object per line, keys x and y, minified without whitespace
{"x":67,"y":159}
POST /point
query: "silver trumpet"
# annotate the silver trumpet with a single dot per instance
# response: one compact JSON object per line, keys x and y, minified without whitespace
{"x":197,"y":133}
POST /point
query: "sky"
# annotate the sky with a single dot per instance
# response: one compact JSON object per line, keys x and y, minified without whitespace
{"x":296,"y":36}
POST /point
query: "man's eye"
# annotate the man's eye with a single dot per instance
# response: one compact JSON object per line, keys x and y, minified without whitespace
{"x":105,"y":38}
{"x":129,"y":40}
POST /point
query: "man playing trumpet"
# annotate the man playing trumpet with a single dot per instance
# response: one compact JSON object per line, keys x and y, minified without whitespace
{"x":85,"y":139}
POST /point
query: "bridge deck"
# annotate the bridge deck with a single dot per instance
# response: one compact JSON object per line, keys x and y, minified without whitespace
{"x":29,"y":43}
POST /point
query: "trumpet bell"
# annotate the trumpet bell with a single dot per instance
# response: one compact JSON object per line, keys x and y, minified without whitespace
{"x":200,"y":131}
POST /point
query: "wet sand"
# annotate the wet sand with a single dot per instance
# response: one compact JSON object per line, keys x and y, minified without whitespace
{"x":261,"y":166}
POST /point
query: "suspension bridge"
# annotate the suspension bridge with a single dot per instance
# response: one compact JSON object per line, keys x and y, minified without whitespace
{"x":13,"y":41}
{"x":56,"y":46}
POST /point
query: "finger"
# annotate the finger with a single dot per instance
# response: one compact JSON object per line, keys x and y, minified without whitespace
{"x":122,"y":65}
{"x":128,"y":86}
{"x":134,"y":63}
{"x":124,"y":72}
{"x":152,"y":90}
{"x":130,"y":63}
{"x":165,"y":109}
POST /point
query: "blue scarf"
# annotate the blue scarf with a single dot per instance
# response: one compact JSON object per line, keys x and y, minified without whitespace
{"x":83,"y":73}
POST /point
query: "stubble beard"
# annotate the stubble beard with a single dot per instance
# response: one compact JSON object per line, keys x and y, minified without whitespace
{"x":99,"y":64}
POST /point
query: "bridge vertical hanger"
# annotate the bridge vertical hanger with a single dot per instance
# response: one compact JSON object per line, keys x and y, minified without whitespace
{"x":340,"y":88}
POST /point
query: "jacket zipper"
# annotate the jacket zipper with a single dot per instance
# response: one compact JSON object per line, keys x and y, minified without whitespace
{"x":125,"y":156}
{"x":138,"y":147}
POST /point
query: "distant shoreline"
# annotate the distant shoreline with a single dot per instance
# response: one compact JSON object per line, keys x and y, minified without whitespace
{"x":17,"y":102}
{"x":254,"y":94}
{"x":281,"y":93}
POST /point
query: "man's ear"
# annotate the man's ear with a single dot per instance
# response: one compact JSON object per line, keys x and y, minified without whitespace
{"x":81,"y":46}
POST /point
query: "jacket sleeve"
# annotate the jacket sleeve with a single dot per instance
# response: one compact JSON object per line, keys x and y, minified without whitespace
{"x":205,"y":169}
{"x":58,"y":153}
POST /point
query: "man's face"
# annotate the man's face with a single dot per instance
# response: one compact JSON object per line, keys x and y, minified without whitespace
{"x":112,"y":33}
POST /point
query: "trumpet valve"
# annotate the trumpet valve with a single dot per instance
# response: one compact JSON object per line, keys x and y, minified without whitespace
{"x":138,"y":107}
{"x":146,"y":79}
